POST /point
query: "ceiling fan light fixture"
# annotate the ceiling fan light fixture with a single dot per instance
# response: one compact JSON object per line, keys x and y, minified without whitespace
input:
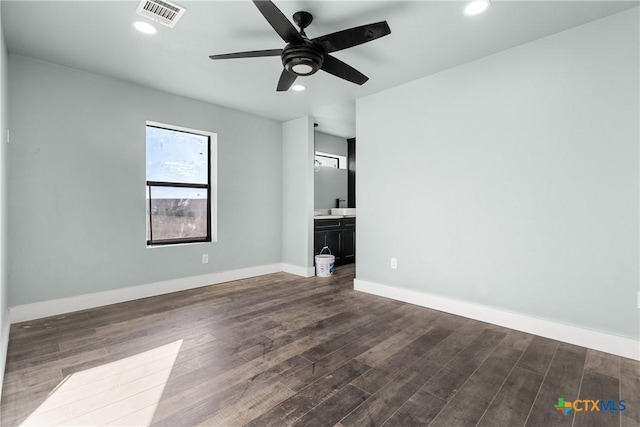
{"x":302,"y":60}
{"x":476,"y":7}
{"x":302,"y":69}
{"x":298,"y":88}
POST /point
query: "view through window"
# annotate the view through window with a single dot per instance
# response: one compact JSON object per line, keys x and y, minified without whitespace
{"x":178,"y":185}
{"x":328,"y":160}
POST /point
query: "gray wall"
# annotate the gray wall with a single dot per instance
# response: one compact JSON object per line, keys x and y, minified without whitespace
{"x":4,"y":314}
{"x":329,"y":183}
{"x":512,"y":181}
{"x":77,"y":178}
{"x":330,"y":144}
{"x":297,"y":192}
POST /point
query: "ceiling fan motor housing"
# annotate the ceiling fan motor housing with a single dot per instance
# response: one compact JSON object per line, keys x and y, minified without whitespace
{"x":302,"y":59}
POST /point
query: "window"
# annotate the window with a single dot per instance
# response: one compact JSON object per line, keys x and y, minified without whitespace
{"x":178,"y":185}
{"x":327,"y":160}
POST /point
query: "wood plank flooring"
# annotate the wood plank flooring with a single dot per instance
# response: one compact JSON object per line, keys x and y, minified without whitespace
{"x":279,"y":350}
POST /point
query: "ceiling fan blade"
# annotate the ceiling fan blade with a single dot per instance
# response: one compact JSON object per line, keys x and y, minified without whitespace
{"x":286,"y":80}
{"x":278,"y":21}
{"x":352,"y":37}
{"x":345,"y":71}
{"x":249,"y":54}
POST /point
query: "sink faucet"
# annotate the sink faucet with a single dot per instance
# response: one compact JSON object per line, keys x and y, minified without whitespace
{"x":338,"y":202}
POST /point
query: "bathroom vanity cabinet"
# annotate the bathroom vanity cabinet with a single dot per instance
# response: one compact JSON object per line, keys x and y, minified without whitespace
{"x":339,"y":234}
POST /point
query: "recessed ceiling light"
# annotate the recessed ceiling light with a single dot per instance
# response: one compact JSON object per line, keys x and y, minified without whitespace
{"x":298,"y":88}
{"x":476,"y":7}
{"x":145,"y":27}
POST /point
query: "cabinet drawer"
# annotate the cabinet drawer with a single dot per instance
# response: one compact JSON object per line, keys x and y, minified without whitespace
{"x":349,"y":222}
{"x":322,"y":224}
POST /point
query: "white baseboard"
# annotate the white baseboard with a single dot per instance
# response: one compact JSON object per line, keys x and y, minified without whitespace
{"x":4,"y":346}
{"x":299,"y":271}
{"x":620,"y":346}
{"x":23,"y":313}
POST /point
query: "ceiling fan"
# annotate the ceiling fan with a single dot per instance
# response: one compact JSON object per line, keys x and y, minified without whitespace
{"x":303,"y":56}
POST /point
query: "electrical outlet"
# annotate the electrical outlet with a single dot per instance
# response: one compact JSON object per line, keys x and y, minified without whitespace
{"x":8,"y":137}
{"x":394,"y":263}
{"x":205,"y":258}
{"x":638,"y":300}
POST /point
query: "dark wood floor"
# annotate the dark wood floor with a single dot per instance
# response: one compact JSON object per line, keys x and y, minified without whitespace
{"x":280,"y":350}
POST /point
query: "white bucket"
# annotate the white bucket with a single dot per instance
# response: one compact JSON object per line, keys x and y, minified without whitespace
{"x":325,"y":263}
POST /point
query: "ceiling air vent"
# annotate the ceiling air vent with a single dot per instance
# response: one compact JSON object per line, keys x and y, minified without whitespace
{"x":163,"y":12}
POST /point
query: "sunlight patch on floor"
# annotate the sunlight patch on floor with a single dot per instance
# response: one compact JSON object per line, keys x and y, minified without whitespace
{"x":124,"y":392}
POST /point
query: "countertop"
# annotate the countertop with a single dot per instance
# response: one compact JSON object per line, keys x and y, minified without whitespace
{"x":333,"y":216}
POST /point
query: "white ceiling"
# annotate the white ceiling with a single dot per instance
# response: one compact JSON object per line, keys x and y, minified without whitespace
{"x":426,"y":37}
